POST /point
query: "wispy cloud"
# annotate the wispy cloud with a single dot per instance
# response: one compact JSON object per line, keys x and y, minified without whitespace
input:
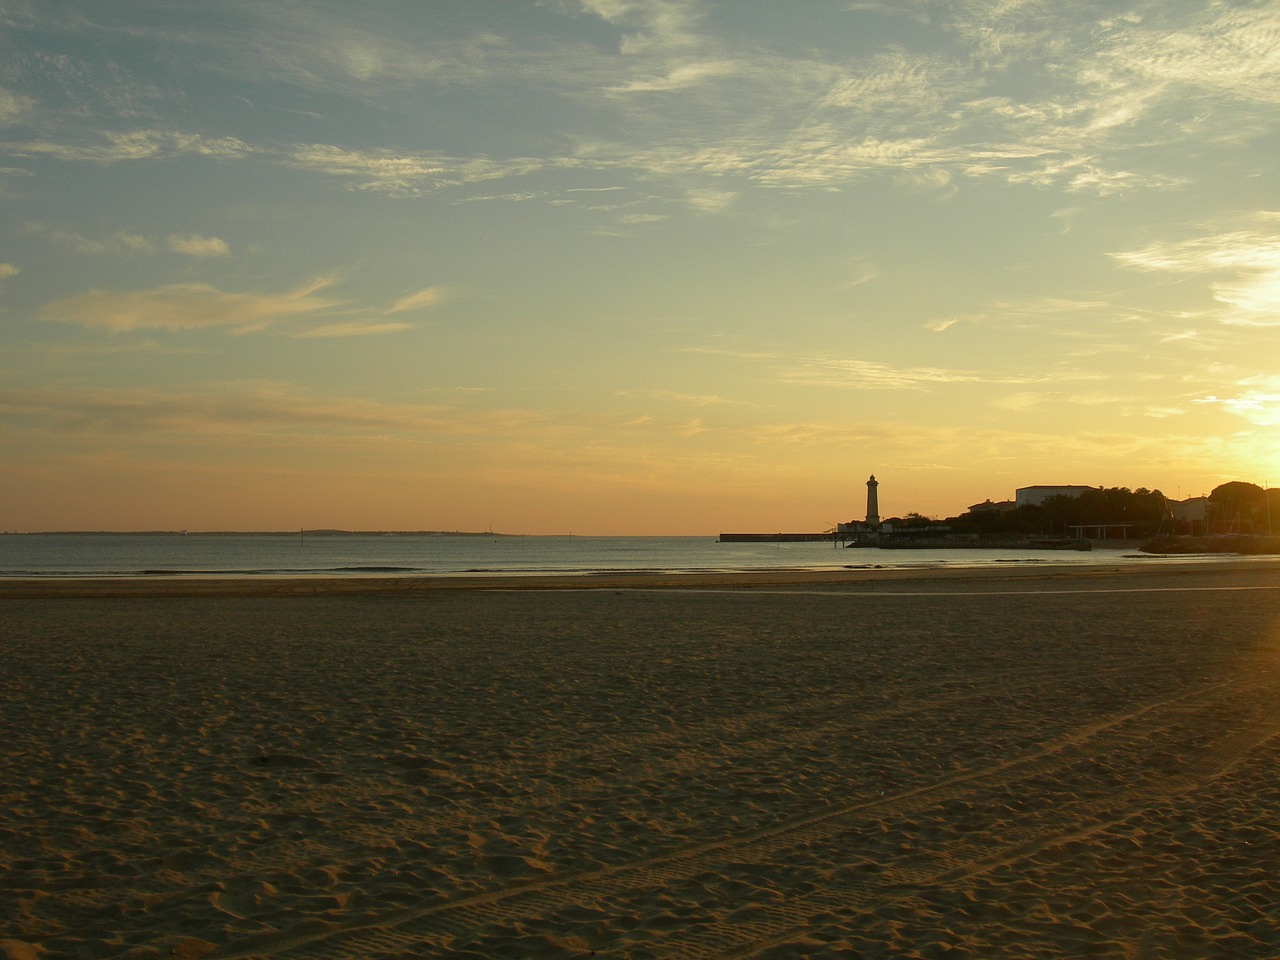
{"x":426,"y":297}
{"x":680,"y":76}
{"x":1229,"y":50}
{"x":1059,"y":315}
{"x":857,"y":373}
{"x":1092,"y":80}
{"x":8,"y":270}
{"x":870,"y":375}
{"x":707,"y":200}
{"x":14,"y":107}
{"x":691,"y":399}
{"x":254,"y":408}
{"x":207,"y":408}
{"x":653,"y":25}
{"x":354,"y":328}
{"x":195,"y":245}
{"x":1258,"y":401}
{"x":187,"y":306}
{"x":320,"y":48}
{"x":861,"y":271}
{"x":927,"y":115}
{"x":102,"y":147}
{"x":123,"y":242}
{"x":1020,"y":402}
{"x":1091,"y":96}
{"x":115,"y":243}
{"x":92,"y":349}
{"x":405,"y":174}
{"x":1243,"y":263}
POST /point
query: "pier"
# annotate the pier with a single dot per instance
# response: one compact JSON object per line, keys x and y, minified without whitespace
{"x":776,"y":537}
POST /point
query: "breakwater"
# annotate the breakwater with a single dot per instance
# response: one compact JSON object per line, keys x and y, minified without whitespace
{"x":1226,"y":543}
{"x":775,"y":537}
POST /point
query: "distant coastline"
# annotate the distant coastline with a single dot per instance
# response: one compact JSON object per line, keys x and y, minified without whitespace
{"x":1243,"y":544}
{"x":255,"y":533}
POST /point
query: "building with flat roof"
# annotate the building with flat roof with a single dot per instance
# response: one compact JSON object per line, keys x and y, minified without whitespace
{"x":1035,"y":495}
{"x":987,"y":506}
{"x":1190,"y":516}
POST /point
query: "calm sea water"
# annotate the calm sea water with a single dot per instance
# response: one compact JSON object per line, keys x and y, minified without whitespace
{"x":123,"y":555}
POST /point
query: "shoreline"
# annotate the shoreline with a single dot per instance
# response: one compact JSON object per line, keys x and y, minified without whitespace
{"x":270,"y":586}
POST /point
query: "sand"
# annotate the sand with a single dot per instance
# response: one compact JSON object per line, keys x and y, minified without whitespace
{"x":1045,"y":763}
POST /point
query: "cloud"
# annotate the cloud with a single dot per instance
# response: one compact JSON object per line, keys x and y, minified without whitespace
{"x":1257,"y":402}
{"x":893,"y":84}
{"x":690,"y":399}
{"x":859,"y":374}
{"x":1011,"y":90}
{"x":709,"y":200}
{"x":355,"y":328}
{"x":245,"y":410}
{"x":924,"y":115}
{"x":1089,"y":175}
{"x":1057,"y":315}
{"x":871,"y":375}
{"x":8,"y":270}
{"x":854,"y":373}
{"x":861,"y":271}
{"x":14,"y":107}
{"x":128,"y":243}
{"x":679,"y":76}
{"x":197,"y":246}
{"x":656,"y":25}
{"x":1088,"y":94}
{"x":1024,"y":91}
{"x":1232,"y":51}
{"x":1020,"y":402}
{"x":207,"y":408}
{"x":426,"y":297}
{"x":1244,"y":264}
{"x":323,"y":48}
{"x":115,"y":243}
{"x":60,"y":352}
{"x":110,"y":147}
{"x":186,"y":306}
{"x":405,"y":174}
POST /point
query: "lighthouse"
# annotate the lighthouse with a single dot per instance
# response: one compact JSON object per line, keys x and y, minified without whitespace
{"x":873,"y":504}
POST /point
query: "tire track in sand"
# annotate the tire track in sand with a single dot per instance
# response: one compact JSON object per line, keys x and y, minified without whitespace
{"x":1072,"y":822}
{"x":670,"y":898}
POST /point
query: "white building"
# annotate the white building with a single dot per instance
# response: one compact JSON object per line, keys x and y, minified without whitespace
{"x":1033,"y":496}
{"x":1190,"y":515}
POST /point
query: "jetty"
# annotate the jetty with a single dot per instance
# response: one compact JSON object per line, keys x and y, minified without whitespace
{"x":776,"y":537}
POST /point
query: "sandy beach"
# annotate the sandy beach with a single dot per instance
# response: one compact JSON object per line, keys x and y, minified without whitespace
{"x":997,"y":764}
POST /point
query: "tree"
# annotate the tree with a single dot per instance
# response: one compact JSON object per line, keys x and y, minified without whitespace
{"x":1238,"y":507}
{"x":1141,"y":511}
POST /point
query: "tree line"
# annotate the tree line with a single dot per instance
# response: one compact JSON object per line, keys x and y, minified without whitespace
{"x":1236,"y":508}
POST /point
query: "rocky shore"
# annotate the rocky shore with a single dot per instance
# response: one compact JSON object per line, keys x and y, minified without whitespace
{"x":1242,"y":544}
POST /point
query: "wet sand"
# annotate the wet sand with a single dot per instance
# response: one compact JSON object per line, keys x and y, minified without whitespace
{"x":1009,"y":763}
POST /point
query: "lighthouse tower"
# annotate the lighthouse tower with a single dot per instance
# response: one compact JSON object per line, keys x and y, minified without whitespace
{"x":873,"y":504}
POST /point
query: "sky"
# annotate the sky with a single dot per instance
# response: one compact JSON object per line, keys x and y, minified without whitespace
{"x":629,"y":266}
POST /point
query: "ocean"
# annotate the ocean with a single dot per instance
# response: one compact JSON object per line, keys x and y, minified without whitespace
{"x":354,"y":555}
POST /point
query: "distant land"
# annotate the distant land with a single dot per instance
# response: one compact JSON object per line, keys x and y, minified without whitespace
{"x":258,"y":533}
